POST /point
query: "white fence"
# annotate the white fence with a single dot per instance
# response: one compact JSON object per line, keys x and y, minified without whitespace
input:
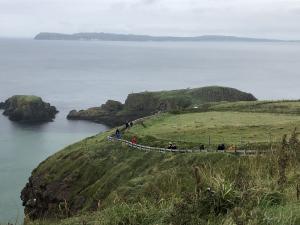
{"x":165,"y":150}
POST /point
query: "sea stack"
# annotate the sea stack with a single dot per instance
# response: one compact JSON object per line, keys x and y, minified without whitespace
{"x":28,"y":108}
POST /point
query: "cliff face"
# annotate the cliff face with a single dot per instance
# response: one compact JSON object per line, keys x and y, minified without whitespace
{"x":23,"y":108}
{"x":147,"y":103}
{"x":107,"y":113}
{"x":2,"y":105}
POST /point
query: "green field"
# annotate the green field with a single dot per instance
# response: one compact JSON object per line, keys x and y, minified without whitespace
{"x":284,"y":107}
{"x":237,"y":128}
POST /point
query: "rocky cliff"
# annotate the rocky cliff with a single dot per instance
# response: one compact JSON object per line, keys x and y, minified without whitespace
{"x":147,"y":103}
{"x":24,"y":108}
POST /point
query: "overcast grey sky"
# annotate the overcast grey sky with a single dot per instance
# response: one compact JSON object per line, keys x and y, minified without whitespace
{"x":255,"y":18}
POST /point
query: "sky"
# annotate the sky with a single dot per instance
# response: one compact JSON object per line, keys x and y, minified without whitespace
{"x":253,"y":18}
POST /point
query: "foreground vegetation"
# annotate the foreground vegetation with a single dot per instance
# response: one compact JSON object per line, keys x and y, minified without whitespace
{"x":96,"y":182}
{"x":124,"y":186}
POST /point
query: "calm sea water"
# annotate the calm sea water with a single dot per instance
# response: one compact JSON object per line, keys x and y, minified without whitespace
{"x":82,"y":74}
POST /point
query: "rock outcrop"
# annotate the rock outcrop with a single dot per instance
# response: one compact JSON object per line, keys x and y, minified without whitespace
{"x":143,"y":104}
{"x":107,"y":113}
{"x":25,"y":108}
{"x":43,"y":199}
{"x":2,"y":104}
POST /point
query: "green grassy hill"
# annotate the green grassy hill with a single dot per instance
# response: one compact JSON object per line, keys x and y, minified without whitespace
{"x":99,"y":182}
{"x":142,"y":104}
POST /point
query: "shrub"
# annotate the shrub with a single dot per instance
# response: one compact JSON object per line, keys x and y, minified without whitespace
{"x":199,"y":208}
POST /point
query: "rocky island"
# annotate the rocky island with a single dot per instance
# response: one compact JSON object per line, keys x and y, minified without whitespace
{"x":28,"y":108}
{"x":137,"y":105}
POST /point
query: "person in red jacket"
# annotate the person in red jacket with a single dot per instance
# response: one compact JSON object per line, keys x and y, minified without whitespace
{"x":134,"y":140}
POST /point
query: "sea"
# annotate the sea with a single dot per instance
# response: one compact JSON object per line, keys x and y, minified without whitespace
{"x":81,"y":74}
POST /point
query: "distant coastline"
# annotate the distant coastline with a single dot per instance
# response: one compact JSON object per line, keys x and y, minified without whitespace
{"x":144,"y":38}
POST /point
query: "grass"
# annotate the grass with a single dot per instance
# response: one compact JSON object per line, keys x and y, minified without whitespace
{"x":145,"y":188}
{"x":200,"y":95}
{"x":281,"y":107}
{"x":138,"y":188}
{"x":27,"y":98}
{"x":123,"y":186}
{"x":221,"y":127}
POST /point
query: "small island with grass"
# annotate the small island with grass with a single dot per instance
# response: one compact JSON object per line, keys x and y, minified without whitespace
{"x":28,"y":108}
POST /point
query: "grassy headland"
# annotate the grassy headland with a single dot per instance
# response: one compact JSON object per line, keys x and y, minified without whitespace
{"x":142,"y":104}
{"x":99,"y":182}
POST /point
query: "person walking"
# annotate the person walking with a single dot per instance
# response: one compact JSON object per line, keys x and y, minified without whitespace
{"x":118,"y":134}
{"x":134,"y":140}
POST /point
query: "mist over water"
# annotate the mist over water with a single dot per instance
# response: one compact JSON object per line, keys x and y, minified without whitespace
{"x":76,"y":75}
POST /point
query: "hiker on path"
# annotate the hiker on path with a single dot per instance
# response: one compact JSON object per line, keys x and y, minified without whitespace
{"x":118,"y":134}
{"x":134,"y":140}
{"x":221,"y":147}
{"x":170,"y":145}
{"x":126,"y":125}
{"x":174,"y":146}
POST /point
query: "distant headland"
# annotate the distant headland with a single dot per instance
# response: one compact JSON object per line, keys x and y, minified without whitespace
{"x":134,"y":37}
{"x":138,"y":105}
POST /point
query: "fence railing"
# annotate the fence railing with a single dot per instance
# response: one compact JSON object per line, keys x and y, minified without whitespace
{"x":165,"y":150}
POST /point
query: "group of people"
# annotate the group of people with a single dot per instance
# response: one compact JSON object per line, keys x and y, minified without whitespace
{"x":221,"y":147}
{"x":128,"y":125}
{"x":118,"y":134}
{"x":172,"y":146}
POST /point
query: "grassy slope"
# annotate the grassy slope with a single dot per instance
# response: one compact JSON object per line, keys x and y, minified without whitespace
{"x":106,"y":171}
{"x":228,"y":127}
{"x":205,"y":94}
{"x":141,"y":188}
{"x":285,"y":107}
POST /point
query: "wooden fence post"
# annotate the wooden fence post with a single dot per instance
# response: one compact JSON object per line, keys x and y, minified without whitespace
{"x":298,"y":191}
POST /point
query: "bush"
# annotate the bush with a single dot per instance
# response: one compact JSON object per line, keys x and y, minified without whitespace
{"x":199,"y":208}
